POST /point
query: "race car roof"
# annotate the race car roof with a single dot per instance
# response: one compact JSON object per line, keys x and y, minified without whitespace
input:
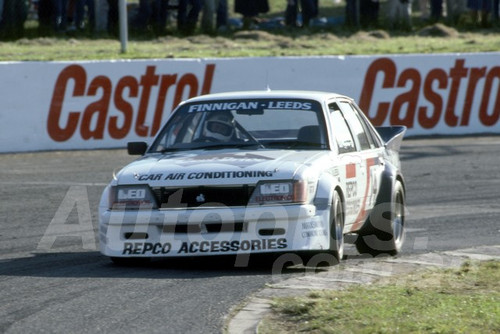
{"x":291,"y":94}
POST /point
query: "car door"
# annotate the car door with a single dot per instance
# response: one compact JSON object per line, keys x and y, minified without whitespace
{"x":370,"y":160}
{"x":351,"y":164}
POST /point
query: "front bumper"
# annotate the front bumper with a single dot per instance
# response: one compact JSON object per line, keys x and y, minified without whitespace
{"x":213,"y":231}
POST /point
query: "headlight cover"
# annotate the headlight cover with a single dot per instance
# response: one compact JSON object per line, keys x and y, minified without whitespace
{"x":134,"y":197}
{"x":280,"y":192}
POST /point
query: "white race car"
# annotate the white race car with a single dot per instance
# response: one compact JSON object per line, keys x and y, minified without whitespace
{"x":258,"y":172}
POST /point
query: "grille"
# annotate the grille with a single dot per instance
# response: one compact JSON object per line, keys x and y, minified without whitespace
{"x":205,"y":228}
{"x":169,"y":198}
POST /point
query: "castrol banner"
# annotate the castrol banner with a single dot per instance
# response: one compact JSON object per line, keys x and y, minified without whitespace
{"x":105,"y":104}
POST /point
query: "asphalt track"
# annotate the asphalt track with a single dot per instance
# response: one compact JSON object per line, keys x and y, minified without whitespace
{"x":52,"y":282}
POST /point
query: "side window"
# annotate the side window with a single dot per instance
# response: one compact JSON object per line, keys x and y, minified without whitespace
{"x":341,"y":131}
{"x":357,"y":128}
{"x":369,"y":129}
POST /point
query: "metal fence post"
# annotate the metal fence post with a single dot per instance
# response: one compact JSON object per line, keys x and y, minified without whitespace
{"x":123,"y":25}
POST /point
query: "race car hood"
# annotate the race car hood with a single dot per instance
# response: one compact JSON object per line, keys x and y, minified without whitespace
{"x":221,"y":167}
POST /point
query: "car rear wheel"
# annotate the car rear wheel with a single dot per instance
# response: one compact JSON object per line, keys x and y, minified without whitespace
{"x":388,"y":232}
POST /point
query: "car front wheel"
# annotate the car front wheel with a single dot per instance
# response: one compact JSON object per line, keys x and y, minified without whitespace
{"x":336,"y":250}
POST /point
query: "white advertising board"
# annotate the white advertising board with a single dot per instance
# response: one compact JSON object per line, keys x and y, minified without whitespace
{"x":104,"y":104}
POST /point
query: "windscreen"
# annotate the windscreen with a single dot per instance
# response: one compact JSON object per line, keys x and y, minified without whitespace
{"x":258,"y":123}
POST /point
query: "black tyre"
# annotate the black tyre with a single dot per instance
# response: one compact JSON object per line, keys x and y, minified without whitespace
{"x":387,"y":226}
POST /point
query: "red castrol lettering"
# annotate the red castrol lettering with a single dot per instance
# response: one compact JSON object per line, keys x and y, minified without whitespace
{"x":93,"y":121}
{"x":404,"y":108}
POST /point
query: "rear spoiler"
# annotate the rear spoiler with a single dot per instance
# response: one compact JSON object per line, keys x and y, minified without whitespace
{"x":392,"y":136}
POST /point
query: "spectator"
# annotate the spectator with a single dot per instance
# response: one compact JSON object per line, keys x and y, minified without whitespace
{"x":60,"y":15}
{"x":400,"y":14}
{"x":70,"y":13}
{"x":106,"y":16}
{"x":250,"y":9}
{"x":187,"y":15}
{"x":309,"y":10}
{"x":101,"y":17}
{"x":160,"y":15}
{"x":52,"y":16}
{"x":424,"y":9}
{"x":368,"y":12}
{"x":45,"y":21}
{"x":436,"y":10}
{"x":14,"y":14}
{"x":144,"y":14}
{"x":352,"y":13}
{"x":82,"y":7}
{"x":152,"y":14}
{"x":479,"y":10}
{"x":455,"y":9}
{"x":1,"y":11}
{"x":113,"y":17}
{"x":217,"y":8}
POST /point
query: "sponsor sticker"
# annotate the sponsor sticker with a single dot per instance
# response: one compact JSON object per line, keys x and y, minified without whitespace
{"x":212,"y":246}
{"x":249,"y":106}
{"x":207,"y":175}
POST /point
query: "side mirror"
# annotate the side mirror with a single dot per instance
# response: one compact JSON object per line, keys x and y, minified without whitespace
{"x":137,"y":148}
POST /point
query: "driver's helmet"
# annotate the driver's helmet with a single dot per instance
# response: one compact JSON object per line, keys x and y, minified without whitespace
{"x":219,"y":126}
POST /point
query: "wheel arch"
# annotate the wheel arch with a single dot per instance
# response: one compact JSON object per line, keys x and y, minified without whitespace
{"x":389,"y":177}
{"x":327,"y":186}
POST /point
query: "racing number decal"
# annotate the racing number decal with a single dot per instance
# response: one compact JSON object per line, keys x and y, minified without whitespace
{"x":351,"y":182}
{"x":352,"y":192}
{"x":350,"y":171}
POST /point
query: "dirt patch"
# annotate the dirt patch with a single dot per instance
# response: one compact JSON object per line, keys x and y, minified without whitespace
{"x":325,"y":37}
{"x":371,"y":35}
{"x":37,"y":41}
{"x":379,"y":34}
{"x":168,"y":40}
{"x":200,"y":40}
{"x":258,"y":35}
{"x":438,"y":30}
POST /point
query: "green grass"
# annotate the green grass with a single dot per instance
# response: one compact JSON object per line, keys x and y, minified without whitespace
{"x":251,"y":44}
{"x":450,"y":301}
{"x":337,"y":40}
